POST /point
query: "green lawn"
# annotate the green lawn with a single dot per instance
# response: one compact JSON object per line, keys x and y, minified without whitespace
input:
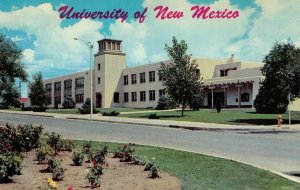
{"x":235,"y":117}
{"x":205,"y":172}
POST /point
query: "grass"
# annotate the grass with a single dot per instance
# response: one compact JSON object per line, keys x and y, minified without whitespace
{"x":206,"y":172}
{"x":233,"y":117}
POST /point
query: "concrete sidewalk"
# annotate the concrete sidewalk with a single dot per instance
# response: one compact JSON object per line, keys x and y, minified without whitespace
{"x":161,"y":123}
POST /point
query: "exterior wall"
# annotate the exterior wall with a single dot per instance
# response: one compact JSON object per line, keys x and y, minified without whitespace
{"x":86,"y":89}
{"x":147,"y":86}
{"x":295,"y":105}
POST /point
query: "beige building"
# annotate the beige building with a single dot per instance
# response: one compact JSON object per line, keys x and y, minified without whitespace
{"x":234,"y":83}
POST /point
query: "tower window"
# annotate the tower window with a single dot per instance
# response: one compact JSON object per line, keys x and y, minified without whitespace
{"x":99,"y":66}
{"x":99,"y":80}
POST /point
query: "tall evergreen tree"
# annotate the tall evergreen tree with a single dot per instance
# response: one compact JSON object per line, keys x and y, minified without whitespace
{"x":10,"y":69}
{"x":181,"y":79}
{"x":282,"y":76}
{"x":37,"y":95}
{"x":10,"y":95}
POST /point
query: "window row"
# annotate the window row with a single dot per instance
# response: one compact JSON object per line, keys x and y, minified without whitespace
{"x":142,"y":95}
{"x":79,"y":98}
{"x":79,"y":83}
{"x":142,"y":77}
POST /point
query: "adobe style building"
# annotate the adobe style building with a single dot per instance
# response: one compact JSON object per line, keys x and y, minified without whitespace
{"x":234,"y":83}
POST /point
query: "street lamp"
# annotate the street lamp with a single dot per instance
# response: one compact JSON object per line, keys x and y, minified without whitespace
{"x":90,"y":46}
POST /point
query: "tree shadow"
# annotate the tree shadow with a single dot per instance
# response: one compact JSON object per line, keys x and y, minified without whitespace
{"x":264,"y":121}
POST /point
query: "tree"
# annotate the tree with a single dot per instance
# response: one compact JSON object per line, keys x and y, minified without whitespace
{"x":10,"y":95}
{"x":282,"y":76}
{"x":37,"y":93}
{"x":165,"y":102}
{"x":86,"y":107}
{"x":11,"y":68}
{"x":68,"y":103}
{"x":181,"y":79}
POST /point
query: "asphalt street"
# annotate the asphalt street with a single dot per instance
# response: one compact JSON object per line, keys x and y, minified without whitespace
{"x":278,"y":151}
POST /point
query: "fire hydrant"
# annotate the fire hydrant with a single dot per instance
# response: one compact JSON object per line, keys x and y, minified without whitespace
{"x":279,"y":120}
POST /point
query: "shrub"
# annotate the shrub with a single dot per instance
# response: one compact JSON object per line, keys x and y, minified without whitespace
{"x":218,"y":105}
{"x":86,"y":107}
{"x":154,"y":172}
{"x":58,"y":173}
{"x":125,"y":153}
{"x":55,"y":142}
{"x":19,"y":138}
{"x":87,"y":147}
{"x":68,"y":103}
{"x":10,"y":165}
{"x":39,"y":109}
{"x":52,"y":164}
{"x":93,"y":178}
{"x":153,"y":116}
{"x":113,"y":113}
{"x":78,"y":158}
{"x":23,"y":108}
{"x":43,"y":153}
{"x":136,"y":160}
{"x":67,"y":145}
{"x":148,"y":166}
{"x":100,"y":154}
{"x":89,"y":157}
{"x":165,"y":102}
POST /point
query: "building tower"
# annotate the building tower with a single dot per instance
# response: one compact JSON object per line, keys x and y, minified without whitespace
{"x":109,"y":64}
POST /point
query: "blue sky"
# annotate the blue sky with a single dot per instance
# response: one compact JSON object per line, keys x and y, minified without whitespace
{"x":48,"y":45}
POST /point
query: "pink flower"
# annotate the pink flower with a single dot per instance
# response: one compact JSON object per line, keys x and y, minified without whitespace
{"x":70,"y":188}
{"x":94,"y":163}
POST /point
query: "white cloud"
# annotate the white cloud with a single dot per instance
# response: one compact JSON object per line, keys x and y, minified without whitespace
{"x":54,"y":46}
{"x":208,"y":38}
{"x":277,"y":22}
{"x":17,"y":38}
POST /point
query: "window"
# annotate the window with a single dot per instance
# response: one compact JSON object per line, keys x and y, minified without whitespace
{"x":142,"y":96}
{"x":99,"y":80}
{"x":126,"y":97}
{"x":79,"y":98}
{"x":162,"y":92}
{"x":133,"y":79}
{"x":118,"y":46}
{"x":224,"y":73}
{"x":99,"y":66}
{"x":133,"y":96}
{"x":116,"y":97}
{"x":160,"y":76}
{"x":152,"y":76}
{"x":79,"y":82}
{"x":57,"y":86}
{"x":48,"y":87}
{"x":126,"y":80}
{"x":109,"y":45}
{"x":152,"y":95}
{"x":245,"y":97}
{"x":113,"y":46}
{"x":68,"y":84}
{"x":142,"y":77}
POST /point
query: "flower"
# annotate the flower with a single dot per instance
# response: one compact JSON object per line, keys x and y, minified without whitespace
{"x":5,"y":129}
{"x":70,"y":188}
{"x":52,"y":184}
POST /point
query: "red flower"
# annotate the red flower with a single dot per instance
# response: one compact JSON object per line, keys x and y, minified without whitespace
{"x":70,"y":188}
{"x":5,"y":129}
{"x":94,"y":163}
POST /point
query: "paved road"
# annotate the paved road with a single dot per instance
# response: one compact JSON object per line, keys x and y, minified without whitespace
{"x":276,"y":151}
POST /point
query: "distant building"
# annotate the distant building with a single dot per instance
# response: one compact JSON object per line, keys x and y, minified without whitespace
{"x":234,"y":83}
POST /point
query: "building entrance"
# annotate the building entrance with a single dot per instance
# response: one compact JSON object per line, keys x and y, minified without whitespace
{"x":98,"y":100}
{"x":218,"y":96}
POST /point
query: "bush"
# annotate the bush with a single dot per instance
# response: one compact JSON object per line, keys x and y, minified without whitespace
{"x":218,"y":105}
{"x":52,"y":164}
{"x":113,"y":113}
{"x":99,"y":156}
{"x":86,"y":107}
{"x":87,"y":147}
{"x":165,"y":102}
{"x":10,"y":165}
{"x":67,"y":145}
{"x":68,"y":103}
{"x":148,"y":166}
{"x":58,"y":173}
{"x":265,"y":103}
{"x":43,"y":153}
{"x":153,"y":116}
{"x":19,"y":138}
{"x":93,"y":178}
{"x":55,"y":142}
{"x":137,"y":160}
{"x":154,"y":172}
{"x":125,"y":153}
{"x":78,"y":158}
{"x":39,"y":109}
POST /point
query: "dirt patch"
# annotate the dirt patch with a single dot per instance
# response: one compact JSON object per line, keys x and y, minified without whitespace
{"x":117,"y":176}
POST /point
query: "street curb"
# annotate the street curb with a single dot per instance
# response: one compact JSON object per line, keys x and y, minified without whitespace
{"x":37,"y":115}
